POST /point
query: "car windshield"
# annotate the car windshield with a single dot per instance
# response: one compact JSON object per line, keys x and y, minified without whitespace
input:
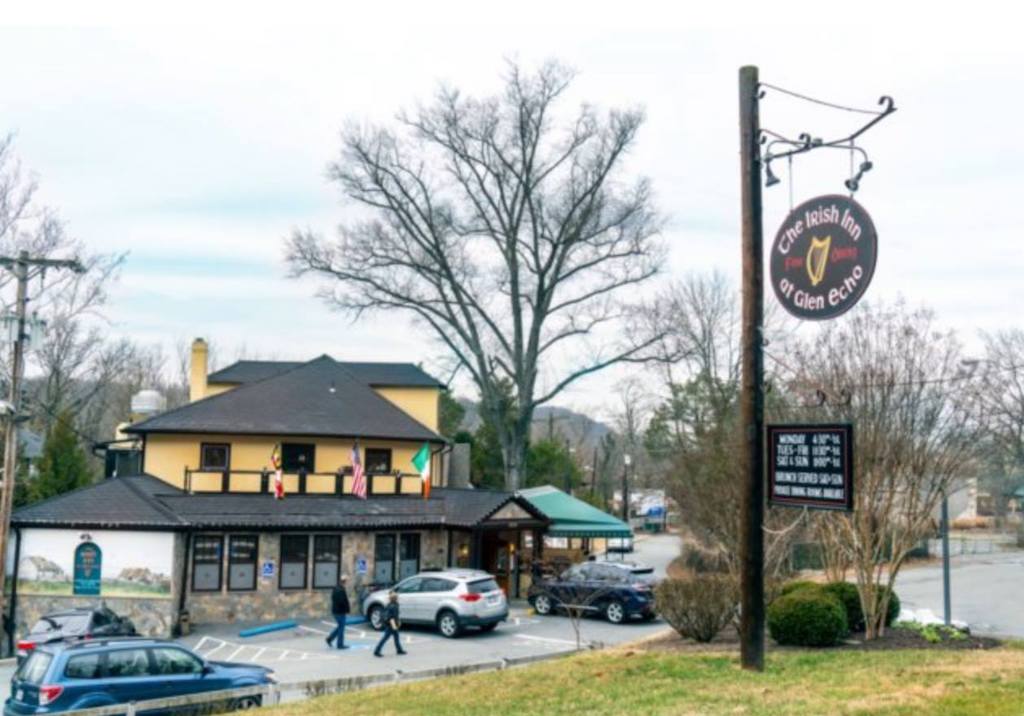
{"x":482,"y":586}
{"x":33,"y":671}
{"x":66,"y":623}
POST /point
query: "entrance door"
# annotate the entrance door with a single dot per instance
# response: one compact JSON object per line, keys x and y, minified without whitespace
{"x":384,"y":559}
{"x":408,"y":555}
{"x":498,"y":552}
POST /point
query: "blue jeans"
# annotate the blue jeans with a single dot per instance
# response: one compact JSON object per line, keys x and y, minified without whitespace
{"x":339,"y":631}
{"x":388,"y":633}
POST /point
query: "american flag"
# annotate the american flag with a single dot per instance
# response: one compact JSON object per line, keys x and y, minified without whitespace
{"x":358,"y":478}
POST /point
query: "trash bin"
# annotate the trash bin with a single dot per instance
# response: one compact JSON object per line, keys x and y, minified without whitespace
{"x":184,"y":623}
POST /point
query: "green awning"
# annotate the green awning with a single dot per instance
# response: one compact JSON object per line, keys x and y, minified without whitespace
{"x":571,"y":517}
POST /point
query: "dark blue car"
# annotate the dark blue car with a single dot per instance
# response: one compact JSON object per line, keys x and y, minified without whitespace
{"x":64,"y":676}
{"x":617,"y":591}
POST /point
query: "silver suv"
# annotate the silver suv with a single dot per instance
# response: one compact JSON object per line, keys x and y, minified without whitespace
{"x":451,"y":599}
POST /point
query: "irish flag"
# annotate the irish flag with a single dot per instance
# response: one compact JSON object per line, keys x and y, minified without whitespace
{"x":421,"y":461}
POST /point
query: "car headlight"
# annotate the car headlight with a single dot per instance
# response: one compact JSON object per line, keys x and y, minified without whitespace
{"x":272,"y":677}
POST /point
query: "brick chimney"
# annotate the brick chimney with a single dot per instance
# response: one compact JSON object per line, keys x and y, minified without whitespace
{"x":198,"y":370}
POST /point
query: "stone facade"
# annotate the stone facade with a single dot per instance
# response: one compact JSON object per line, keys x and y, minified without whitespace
{"x":270,"y":603}
{"x":152,"y":617}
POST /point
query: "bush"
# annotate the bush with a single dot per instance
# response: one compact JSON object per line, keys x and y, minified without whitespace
{"x":849,"y":596}
{"x":807,"y":617}
{"x":790,"y":587}
{"x":697,"y":607}
{"x":894,"y":607}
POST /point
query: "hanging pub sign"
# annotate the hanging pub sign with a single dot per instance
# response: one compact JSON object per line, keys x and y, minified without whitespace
{"x":811,"y":466}
{"x":88,"y":567}
{"x":823,"y":257}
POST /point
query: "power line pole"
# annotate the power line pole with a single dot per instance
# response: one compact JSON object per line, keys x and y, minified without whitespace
{"x":20,"y":266}
{"x":752,"y":616}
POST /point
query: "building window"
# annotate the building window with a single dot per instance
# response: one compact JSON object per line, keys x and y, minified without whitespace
{"x":326,"y":560}
{"x":294,"y":559}
{"x":207,"y":556}
{"x":242,"y":554}
{"x":296,"y":455}
{"x":214,"y":457}
{"x":378,"y":461}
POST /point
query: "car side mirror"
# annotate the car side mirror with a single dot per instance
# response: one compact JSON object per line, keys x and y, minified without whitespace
{"x":207,"y":669}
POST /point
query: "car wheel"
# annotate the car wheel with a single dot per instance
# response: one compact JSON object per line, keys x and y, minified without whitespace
{"x":542,"y":604}
{"x":448,"y":624}
{"x":376,"y":617}
{"x":247,"y":702}
{"x":649,"y":616}
{"x":615,"y":612}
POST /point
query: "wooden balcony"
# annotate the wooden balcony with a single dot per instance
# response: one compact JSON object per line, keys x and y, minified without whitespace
{"x":200,"y":481}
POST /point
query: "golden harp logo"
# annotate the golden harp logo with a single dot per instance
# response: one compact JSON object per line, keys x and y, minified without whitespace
{"x":817,"y":258}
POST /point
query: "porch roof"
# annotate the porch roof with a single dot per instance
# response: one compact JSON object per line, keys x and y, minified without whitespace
{"x":571,"y":517}
{"x":145,"y":502}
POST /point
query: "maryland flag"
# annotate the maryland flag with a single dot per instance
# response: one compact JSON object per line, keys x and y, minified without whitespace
{"x":275,"y":460}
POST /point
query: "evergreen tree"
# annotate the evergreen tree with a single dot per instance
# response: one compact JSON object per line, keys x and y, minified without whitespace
{"x":64,"y":466}
{"x":451,"y":414}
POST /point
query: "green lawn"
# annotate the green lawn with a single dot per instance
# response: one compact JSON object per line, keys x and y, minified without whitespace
{"x":911,"y":683}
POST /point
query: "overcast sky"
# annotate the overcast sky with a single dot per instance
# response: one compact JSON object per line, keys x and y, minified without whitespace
{"x":198,"y":140}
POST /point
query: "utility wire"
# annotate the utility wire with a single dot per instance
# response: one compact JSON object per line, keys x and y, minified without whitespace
{"x":822,"y":102}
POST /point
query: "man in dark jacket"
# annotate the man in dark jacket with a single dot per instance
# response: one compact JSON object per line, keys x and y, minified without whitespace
{"x":340,"y":609}
{"x":391,"y":625}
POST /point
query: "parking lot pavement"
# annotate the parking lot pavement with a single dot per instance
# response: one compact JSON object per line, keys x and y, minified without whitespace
{"x":300,"y":654}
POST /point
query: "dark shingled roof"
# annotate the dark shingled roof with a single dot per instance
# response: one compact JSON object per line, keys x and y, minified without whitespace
{"x":376,"y":374}
{"x":127,"y":502}
{"x":145,"y":502}
{"x":319,"y":398}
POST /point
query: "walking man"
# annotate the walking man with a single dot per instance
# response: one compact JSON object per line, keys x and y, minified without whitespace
{"x":340,"y":609}
{"x":391,"y":625}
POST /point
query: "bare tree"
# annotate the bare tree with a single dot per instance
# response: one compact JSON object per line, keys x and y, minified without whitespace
{"x":513,"y":243}
{"x":694,"y":432}
{"x":899,"y":379}
{"x":1001,"y":384}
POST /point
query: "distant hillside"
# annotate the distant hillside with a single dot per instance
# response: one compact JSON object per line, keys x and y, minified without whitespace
{"x":581,"y":431}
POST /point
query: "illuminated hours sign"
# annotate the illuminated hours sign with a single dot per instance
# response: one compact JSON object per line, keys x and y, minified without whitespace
{"x":823,"y":257}
{"x":811,"y":466}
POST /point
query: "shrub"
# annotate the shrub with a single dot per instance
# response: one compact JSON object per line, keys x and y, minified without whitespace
{"x":849,"y":596}
{"x":807,"y":617}
{"x":697,"y":607}
{"x":702,"y":560}
{"x":790,"y":587}
{"x":894,"y":606}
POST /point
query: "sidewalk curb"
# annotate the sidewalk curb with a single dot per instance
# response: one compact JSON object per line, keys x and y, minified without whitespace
{"x":324,"y":687}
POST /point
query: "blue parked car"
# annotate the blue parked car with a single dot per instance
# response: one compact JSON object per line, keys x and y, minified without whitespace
{"x":617,"y":591}
{"x":64,"y":676}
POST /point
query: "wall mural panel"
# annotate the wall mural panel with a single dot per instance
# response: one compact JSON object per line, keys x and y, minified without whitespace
{"x":134,"y":564}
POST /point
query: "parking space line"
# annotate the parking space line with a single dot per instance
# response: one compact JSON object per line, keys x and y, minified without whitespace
{"x":282,"y":656}
{"x":215,"y":649}
{"x":258,"y":654}
{"x":235,"y":653}
{"x":303,"y":627}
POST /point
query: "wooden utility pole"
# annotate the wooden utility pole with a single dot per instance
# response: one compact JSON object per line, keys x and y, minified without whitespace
{"x":752,"y":616}
{"x":19,"y":266}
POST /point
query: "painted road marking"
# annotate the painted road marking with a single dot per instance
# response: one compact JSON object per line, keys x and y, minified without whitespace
{"x":215,"y":649}
{"x":235,"y":653}
{"x":258,"y":654}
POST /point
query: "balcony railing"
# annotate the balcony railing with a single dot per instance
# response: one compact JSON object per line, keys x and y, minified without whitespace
{"x":205,"y":480}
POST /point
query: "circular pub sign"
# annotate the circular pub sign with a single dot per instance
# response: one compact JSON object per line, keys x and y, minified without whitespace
{"x":823,"y":257}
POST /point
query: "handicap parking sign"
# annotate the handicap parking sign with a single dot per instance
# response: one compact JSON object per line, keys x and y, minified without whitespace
{"x":268,"y":569}
{"x":361,"y":565}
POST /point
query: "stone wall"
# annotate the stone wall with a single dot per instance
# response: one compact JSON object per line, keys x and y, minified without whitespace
{"x":269,"y":603}
{"x":152,"y":617}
